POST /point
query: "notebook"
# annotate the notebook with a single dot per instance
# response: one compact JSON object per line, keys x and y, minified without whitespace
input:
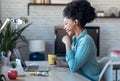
{"x":31,"y":67}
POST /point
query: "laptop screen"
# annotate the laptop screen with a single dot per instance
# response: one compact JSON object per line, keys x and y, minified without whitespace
{"x":18,"y":56}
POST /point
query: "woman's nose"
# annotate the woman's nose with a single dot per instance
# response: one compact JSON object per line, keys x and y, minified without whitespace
{"x":64,"y":27}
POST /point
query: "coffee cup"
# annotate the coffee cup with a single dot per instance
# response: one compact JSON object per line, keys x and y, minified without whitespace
{"x":51,"y":58}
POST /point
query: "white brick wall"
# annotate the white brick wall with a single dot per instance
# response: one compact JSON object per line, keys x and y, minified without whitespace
{"x":60,"y":1}
{"x":44,"y":19}
{"x":105,"y":5}
{"x":0,"y":9}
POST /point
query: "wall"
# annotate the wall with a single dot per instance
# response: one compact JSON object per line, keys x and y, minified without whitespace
{"x":0,"y":9}
{"x":45,"y":18}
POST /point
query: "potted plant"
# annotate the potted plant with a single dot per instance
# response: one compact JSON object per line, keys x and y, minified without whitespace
{"x":10,"y":35}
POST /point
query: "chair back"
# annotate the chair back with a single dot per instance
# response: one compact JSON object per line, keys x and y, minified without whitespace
{"x":104,"y":63}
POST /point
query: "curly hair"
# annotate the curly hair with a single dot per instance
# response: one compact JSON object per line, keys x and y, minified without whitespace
{"x":81,"y":10}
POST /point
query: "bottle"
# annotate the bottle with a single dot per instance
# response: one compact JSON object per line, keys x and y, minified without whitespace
{"x":47,"y":1}
{"x":34,"y":1}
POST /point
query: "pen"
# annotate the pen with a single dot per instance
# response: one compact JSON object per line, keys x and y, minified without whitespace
{"x":32,"y":73}
{"x":9,"y":53}
{"x":5,"y":54}
{"x":39,"y":73}
{"x":2,"y":53}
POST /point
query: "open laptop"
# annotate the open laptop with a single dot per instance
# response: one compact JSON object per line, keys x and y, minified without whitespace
{"x":30,"y":67}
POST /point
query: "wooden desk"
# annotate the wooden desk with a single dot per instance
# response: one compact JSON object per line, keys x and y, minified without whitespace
{"x":55,"y":74}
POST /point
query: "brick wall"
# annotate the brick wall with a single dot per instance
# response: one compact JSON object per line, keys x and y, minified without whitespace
{"x":0,"y":9}
{"x":45,"y":18}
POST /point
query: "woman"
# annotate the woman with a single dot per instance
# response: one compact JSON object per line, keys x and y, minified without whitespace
{"x":81,"y":51}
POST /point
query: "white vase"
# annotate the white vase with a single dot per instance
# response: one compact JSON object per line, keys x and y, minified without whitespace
{"x":5,"y":61}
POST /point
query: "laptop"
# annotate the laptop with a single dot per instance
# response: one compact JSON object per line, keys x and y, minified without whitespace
{"x":31,"y":67}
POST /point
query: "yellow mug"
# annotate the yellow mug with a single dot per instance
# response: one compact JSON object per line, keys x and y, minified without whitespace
{"x":51,"y":58}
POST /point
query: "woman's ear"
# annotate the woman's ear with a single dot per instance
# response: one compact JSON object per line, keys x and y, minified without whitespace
{"x":76,"y":22}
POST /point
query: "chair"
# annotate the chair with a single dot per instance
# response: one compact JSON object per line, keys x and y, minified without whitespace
{"x":104,"y":63}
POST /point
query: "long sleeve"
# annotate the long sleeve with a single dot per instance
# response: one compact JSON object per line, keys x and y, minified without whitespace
{"x":78,"y":58}
{"x":82,"y":57}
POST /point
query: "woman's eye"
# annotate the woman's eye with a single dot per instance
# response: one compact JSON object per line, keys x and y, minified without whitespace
{"x":65,"y":23}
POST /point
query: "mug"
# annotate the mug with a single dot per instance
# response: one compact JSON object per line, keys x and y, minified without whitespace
{"x":51,"y":58}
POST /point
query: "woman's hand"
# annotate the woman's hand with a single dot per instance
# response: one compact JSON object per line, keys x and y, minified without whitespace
{"x":60,"y":63}
{"x":66,"y":40}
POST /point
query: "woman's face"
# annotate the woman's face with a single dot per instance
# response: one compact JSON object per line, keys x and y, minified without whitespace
{"x":69,"y":26}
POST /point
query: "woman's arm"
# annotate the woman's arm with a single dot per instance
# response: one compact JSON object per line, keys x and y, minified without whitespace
{"x":79,"y":57}
{"x":61,"y":63}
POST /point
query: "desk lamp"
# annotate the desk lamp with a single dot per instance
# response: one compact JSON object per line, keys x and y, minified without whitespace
{"x":4,"y":24}
{"x":18,"y":21}
{"x":36,"y":48}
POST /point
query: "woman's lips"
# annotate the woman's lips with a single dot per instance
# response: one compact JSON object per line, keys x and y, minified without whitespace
{"x":68,"y":31}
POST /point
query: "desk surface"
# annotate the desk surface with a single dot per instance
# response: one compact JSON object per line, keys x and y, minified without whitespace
{"x":55,"y":74}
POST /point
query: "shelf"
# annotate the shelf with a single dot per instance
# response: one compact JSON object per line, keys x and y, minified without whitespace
{"x":51,"y":4}
{"x":30,"y":4}
{"x":108,"y":17}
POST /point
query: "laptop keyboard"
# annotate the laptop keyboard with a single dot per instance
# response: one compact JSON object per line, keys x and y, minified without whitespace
{"x":36,"y":68}
{"x":32,"y":68}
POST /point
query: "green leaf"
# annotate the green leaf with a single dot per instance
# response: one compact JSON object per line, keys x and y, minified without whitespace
{"x":10,"y":35}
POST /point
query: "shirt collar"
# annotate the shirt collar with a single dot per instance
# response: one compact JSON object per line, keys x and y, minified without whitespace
{"x":84,"y":32}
